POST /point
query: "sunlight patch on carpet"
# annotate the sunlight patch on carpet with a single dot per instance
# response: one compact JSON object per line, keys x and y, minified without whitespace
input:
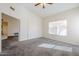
{"x":46,"y":45}
{"x":57,"y":47}
{"x":63,"y":48}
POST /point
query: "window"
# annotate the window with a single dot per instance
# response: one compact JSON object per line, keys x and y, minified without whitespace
{"x":58,"y":27}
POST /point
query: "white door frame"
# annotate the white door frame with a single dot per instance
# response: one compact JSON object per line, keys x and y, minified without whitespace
{"x":0,"y":28}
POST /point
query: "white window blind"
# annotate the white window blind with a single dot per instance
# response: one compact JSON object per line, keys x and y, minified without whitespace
{"x":58,"y":28}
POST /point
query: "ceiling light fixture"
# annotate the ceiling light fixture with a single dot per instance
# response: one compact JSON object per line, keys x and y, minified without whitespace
{"x":43,"y":4}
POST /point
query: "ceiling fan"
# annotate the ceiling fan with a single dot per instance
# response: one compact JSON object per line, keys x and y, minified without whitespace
{"x":43,"y":4}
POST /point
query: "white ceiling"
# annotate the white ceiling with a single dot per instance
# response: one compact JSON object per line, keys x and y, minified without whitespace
{"x":50,"y":9}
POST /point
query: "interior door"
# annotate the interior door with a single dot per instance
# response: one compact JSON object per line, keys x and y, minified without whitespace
{"x":5,"y":25}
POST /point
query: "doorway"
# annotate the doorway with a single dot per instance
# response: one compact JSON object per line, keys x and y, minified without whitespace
{"x":10,"y":31}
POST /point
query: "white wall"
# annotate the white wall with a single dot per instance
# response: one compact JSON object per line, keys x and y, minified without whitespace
{"x":13,"y":26}
{"x":23,"y":15}
{"x":34,"y":30}
{"x":72,"y":17}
